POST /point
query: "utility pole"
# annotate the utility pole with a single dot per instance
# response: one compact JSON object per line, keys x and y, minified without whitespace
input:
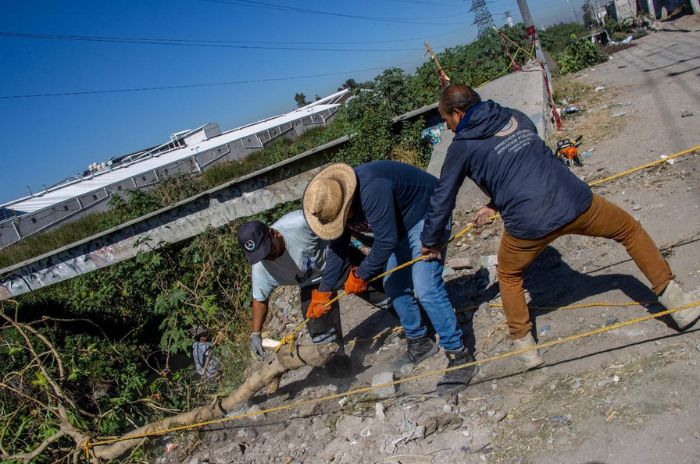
{"x":539,"y":54}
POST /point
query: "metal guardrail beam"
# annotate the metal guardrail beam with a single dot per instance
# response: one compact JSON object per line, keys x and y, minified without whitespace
{"x":251,"y":194}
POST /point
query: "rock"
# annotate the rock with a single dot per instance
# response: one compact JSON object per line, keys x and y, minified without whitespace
{"x":246,"y":433}
{"x":447,"y":408}
{"x":348,"y":426}
{"x":448,"y":271}
{"x":253,"y":409}
{"x":441,"y":423}
{"x":577,"y":384}
{"x":379,"y":412}
{"x":459,"y":263}
{"x":382,"y":378}
{"x":636,"y":206}
{"x":499,"y":416}
{"x":490,"y":413}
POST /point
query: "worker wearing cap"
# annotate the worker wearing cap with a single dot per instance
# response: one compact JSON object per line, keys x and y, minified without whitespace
{"x":539,"y":199}
{"x":388,"y":199}
{"x":289,"y":253}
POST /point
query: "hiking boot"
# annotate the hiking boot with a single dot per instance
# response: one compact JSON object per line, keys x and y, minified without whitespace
{"x":339,"y":366}
{"x":530,"y":359}
{"x":673,"y":297}
{"x":420,"y":348}
{"x":458,"y":379}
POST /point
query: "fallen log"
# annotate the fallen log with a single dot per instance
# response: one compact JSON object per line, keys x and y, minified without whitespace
{"x":267,"y":375}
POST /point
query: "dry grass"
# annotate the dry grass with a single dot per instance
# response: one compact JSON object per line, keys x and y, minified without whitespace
{"x":405,"y":155}
{"x":545,"y":418}
{"x":596,"y":121}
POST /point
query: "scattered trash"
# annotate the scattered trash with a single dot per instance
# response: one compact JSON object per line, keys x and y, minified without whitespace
{"x":611,"y":321}
{"x":564,"y":102}
{"x":671,"y":161}
{"x":545,"y":328}
{"x":170,"y":447}
{"x":615,"y":378}
{"x":600,"y":88}
{"x":636,"y":206}
{"x":686,"y":114}
{"x":619,"y":115}
{"x":577,"y":383}
{"x":433,"y":133}
{"x":586,"y":154}
{"x":570,"y":109}
{"x":342,"y":401}
{"x":561,"y":420}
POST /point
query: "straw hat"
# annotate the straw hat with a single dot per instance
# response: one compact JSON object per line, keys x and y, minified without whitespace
{"x":327,"y":200}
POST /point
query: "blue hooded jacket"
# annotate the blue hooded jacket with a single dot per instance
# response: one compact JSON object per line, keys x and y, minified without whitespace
{"x":499,"y":149}
{"x":391,"y":198}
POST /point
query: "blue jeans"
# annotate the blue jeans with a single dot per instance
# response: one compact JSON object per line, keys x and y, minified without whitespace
{"x":422,"y":283}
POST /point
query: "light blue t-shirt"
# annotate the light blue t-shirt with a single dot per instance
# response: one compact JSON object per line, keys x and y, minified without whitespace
{"x":301,"y":264}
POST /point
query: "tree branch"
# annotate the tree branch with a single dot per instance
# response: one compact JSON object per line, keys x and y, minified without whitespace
{"x":27,"y":457}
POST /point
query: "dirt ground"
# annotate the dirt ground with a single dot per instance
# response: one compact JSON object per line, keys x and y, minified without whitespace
{"x":628,"y":396}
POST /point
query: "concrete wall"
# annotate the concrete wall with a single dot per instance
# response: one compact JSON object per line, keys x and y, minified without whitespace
{"x":524,"y":91}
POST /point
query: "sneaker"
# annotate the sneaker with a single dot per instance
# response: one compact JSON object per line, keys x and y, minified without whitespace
{"x":530,"y":359}
{"x":339,"y":366}
{"x":673,"y":297}
{"x":458,"y":379}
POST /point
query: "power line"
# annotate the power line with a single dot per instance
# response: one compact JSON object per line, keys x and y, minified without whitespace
{"x":189,"y":43}
{"x":292,"y":9}
{"x":187,"y":86}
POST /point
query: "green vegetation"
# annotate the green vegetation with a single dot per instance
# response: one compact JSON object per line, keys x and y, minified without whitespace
{"x":122,"y":332}
{"x":579,"y":55}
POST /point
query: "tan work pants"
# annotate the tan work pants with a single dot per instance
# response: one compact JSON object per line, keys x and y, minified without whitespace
{"x":601,"y":219}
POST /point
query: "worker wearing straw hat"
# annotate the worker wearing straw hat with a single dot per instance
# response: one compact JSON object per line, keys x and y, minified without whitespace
{"x":388,"y":199}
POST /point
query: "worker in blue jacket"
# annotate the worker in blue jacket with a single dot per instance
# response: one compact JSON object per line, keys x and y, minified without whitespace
{"x":539,"y":199}
{"x":389,"y":200}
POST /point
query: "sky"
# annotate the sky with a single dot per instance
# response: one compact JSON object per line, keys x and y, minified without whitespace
{"x":258,"y":52}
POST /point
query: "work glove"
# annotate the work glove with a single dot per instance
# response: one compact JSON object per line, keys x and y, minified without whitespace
{"x":355,"y":284}
{"x":319,"y":306}
{"x":256,"y":348}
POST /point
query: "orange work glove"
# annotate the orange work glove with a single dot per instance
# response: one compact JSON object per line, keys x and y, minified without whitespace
{"x":319,"y":306}
{"x":355,"y":284}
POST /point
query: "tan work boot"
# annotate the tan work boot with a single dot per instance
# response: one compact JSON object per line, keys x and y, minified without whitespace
{"x":673,"y":297}
{"x":530,"y":359}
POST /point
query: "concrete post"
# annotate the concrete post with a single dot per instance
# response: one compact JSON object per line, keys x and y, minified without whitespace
{"x":652,"y":9}
{"x":14,"y":226}
{"x":695,"y":5}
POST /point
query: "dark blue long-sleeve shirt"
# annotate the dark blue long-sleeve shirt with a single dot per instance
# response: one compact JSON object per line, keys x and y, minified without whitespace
{"x":499,"y":149}
{"x":390,"y":199}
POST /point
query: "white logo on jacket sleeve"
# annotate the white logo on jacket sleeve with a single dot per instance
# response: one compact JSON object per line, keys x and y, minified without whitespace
{"x":249,"y":245}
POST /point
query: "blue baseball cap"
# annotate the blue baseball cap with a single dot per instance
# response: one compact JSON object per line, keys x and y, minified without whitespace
{"x":254,"y":237}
